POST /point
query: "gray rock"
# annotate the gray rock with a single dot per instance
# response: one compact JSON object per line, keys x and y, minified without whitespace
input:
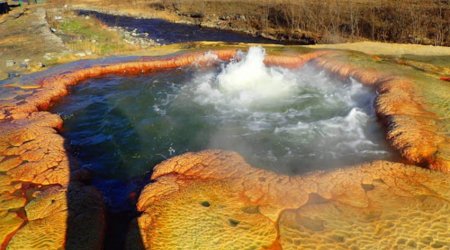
{"x":10,"y":63}
{"x":13,"y":74}
{"x":48,"y":56}
{"x":25,"y":64}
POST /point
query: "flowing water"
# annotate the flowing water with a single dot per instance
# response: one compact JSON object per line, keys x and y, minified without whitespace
{"x":165,"y":32}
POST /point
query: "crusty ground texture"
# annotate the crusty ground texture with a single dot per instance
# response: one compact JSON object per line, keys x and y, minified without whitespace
{"x":43,"y":191}
{"x":215,"y":200}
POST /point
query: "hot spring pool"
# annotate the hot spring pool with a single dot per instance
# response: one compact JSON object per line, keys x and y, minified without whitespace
{"x":288,"y":121}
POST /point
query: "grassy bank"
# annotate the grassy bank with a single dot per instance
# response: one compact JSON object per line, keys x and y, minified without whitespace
{"x":87,"y":35}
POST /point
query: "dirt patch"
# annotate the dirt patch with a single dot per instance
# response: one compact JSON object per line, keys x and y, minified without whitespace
{"x":379,"y":48}
{"x":34,"y":38}
{"x":85,"y":35}
{"x":26,"y":40}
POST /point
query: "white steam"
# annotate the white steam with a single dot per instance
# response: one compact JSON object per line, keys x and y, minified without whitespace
{"x":246,"y":82}
{"x":309,"y":117}
{"x":249,"y":80}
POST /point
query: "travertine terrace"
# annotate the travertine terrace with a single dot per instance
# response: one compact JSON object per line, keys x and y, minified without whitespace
{"x":213,"y":199}
{"x":44,"y":200}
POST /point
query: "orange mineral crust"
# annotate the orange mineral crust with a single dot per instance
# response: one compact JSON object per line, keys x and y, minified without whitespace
{"x":54,"y":87}
{"x":413,"y":128}
{"x":37,"y":201}
{"x":45,"y":205}
{"x":215,"y":200}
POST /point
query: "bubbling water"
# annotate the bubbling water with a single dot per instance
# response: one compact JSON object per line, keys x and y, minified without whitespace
{"x":246,"y":83}
{"x":288,"y":120}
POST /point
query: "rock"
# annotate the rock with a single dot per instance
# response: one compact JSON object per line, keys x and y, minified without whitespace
{"x":10,"y":63}
{"x":80,"y":54}
{"x":414,"y":129}
{"x":215,"y":200}
{"x":13,"y":74}
{"x":38,"y":167}
{"x":11,"y":222}
{"x":196,"y":15}
{"x":35,"y":181}
{"x":25,"y":63}
{"x":48,"y":56}
{"x":79,"y":212}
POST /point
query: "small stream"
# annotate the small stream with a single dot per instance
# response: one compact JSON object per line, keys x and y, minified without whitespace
{"x":164,"y":32}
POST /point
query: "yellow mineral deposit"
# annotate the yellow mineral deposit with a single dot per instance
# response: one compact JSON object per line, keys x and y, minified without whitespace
{"x":213,"y":199}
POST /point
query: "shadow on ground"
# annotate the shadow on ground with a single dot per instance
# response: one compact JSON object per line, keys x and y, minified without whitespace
{"x":118,"y":201}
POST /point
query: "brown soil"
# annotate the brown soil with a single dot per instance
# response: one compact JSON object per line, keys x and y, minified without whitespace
{"x":391,"y":49}
{"x":31,"y":39}
{"x":26,"y":41}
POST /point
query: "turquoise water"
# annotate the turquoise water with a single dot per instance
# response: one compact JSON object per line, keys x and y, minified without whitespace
{"x":288,"y":121}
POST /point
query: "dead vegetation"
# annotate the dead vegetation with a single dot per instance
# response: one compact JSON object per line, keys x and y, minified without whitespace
{"x":405,"y":21}
{"x":327,"y":21}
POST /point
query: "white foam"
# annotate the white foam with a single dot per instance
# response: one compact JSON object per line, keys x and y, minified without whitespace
{"x":302,"y":106}
{"x":246,"y":82}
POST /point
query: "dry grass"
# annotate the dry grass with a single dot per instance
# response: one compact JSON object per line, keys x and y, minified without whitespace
{"x":410,"y":21}
{"x":377,"y":48}
{"x":89,"y":35}
{"x":403,"y":21}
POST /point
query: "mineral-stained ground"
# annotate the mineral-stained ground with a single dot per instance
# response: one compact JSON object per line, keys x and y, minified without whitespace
{"x":213,"y":199}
